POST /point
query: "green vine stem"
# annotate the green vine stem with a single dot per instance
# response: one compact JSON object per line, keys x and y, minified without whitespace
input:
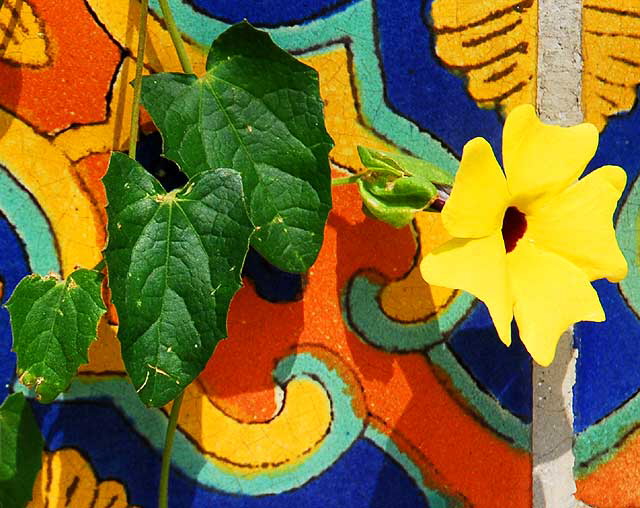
{"x":346,"y":180}
{"x":176,"y":38}
{"x":137,"y":87}
{"x":163,"y":490}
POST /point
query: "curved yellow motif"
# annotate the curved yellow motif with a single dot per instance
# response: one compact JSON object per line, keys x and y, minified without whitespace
{"x":343,"y":120}
{"x":611,"y":54}
{"x":22,"y":35}
{"x":68,"y":480}
{"x":45,"y":172}
{"x":302,"y":422}
{"x":493,"y":43}
{"x":411,"y":299}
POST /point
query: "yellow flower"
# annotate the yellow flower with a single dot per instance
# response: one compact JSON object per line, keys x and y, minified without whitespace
{"x":527,"y":242}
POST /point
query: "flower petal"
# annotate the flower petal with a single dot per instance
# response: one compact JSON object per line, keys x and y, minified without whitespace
{"x":479,"y":267}
{"x":578,"y":225}
{"x":550,"y":294}
{"x":479,"y":196}
{"x":543,"y":159}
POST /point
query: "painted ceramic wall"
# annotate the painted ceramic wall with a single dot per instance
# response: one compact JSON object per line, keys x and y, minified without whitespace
{"x":356,"y":384}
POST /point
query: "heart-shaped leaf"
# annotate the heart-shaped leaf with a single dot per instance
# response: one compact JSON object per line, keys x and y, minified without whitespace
{"x":54,"y":321}
{"x":21,"y":447}
{"x":256,"y":110}
{"x":174,"y":262}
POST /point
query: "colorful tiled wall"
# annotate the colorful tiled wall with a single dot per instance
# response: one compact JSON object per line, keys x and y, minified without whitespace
{"x":356,"y":384}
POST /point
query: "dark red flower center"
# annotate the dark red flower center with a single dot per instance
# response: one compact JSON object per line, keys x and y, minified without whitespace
{"x":514,"y":226}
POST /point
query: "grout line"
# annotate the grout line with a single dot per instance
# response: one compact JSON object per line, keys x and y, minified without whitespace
{"x":558,"y":102}
{"x":552,"y":429}
{"x":560,"y":61}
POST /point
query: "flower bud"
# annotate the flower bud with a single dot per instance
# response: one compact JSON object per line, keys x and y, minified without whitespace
{"x":396,"y":186}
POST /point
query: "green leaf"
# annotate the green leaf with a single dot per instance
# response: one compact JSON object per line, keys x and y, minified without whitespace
{"x":21,"y":447}
{"x":54,"y":321}
{"x":256,"y":110}
{"x":174,"y":262}
{"x":398,"y":186}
